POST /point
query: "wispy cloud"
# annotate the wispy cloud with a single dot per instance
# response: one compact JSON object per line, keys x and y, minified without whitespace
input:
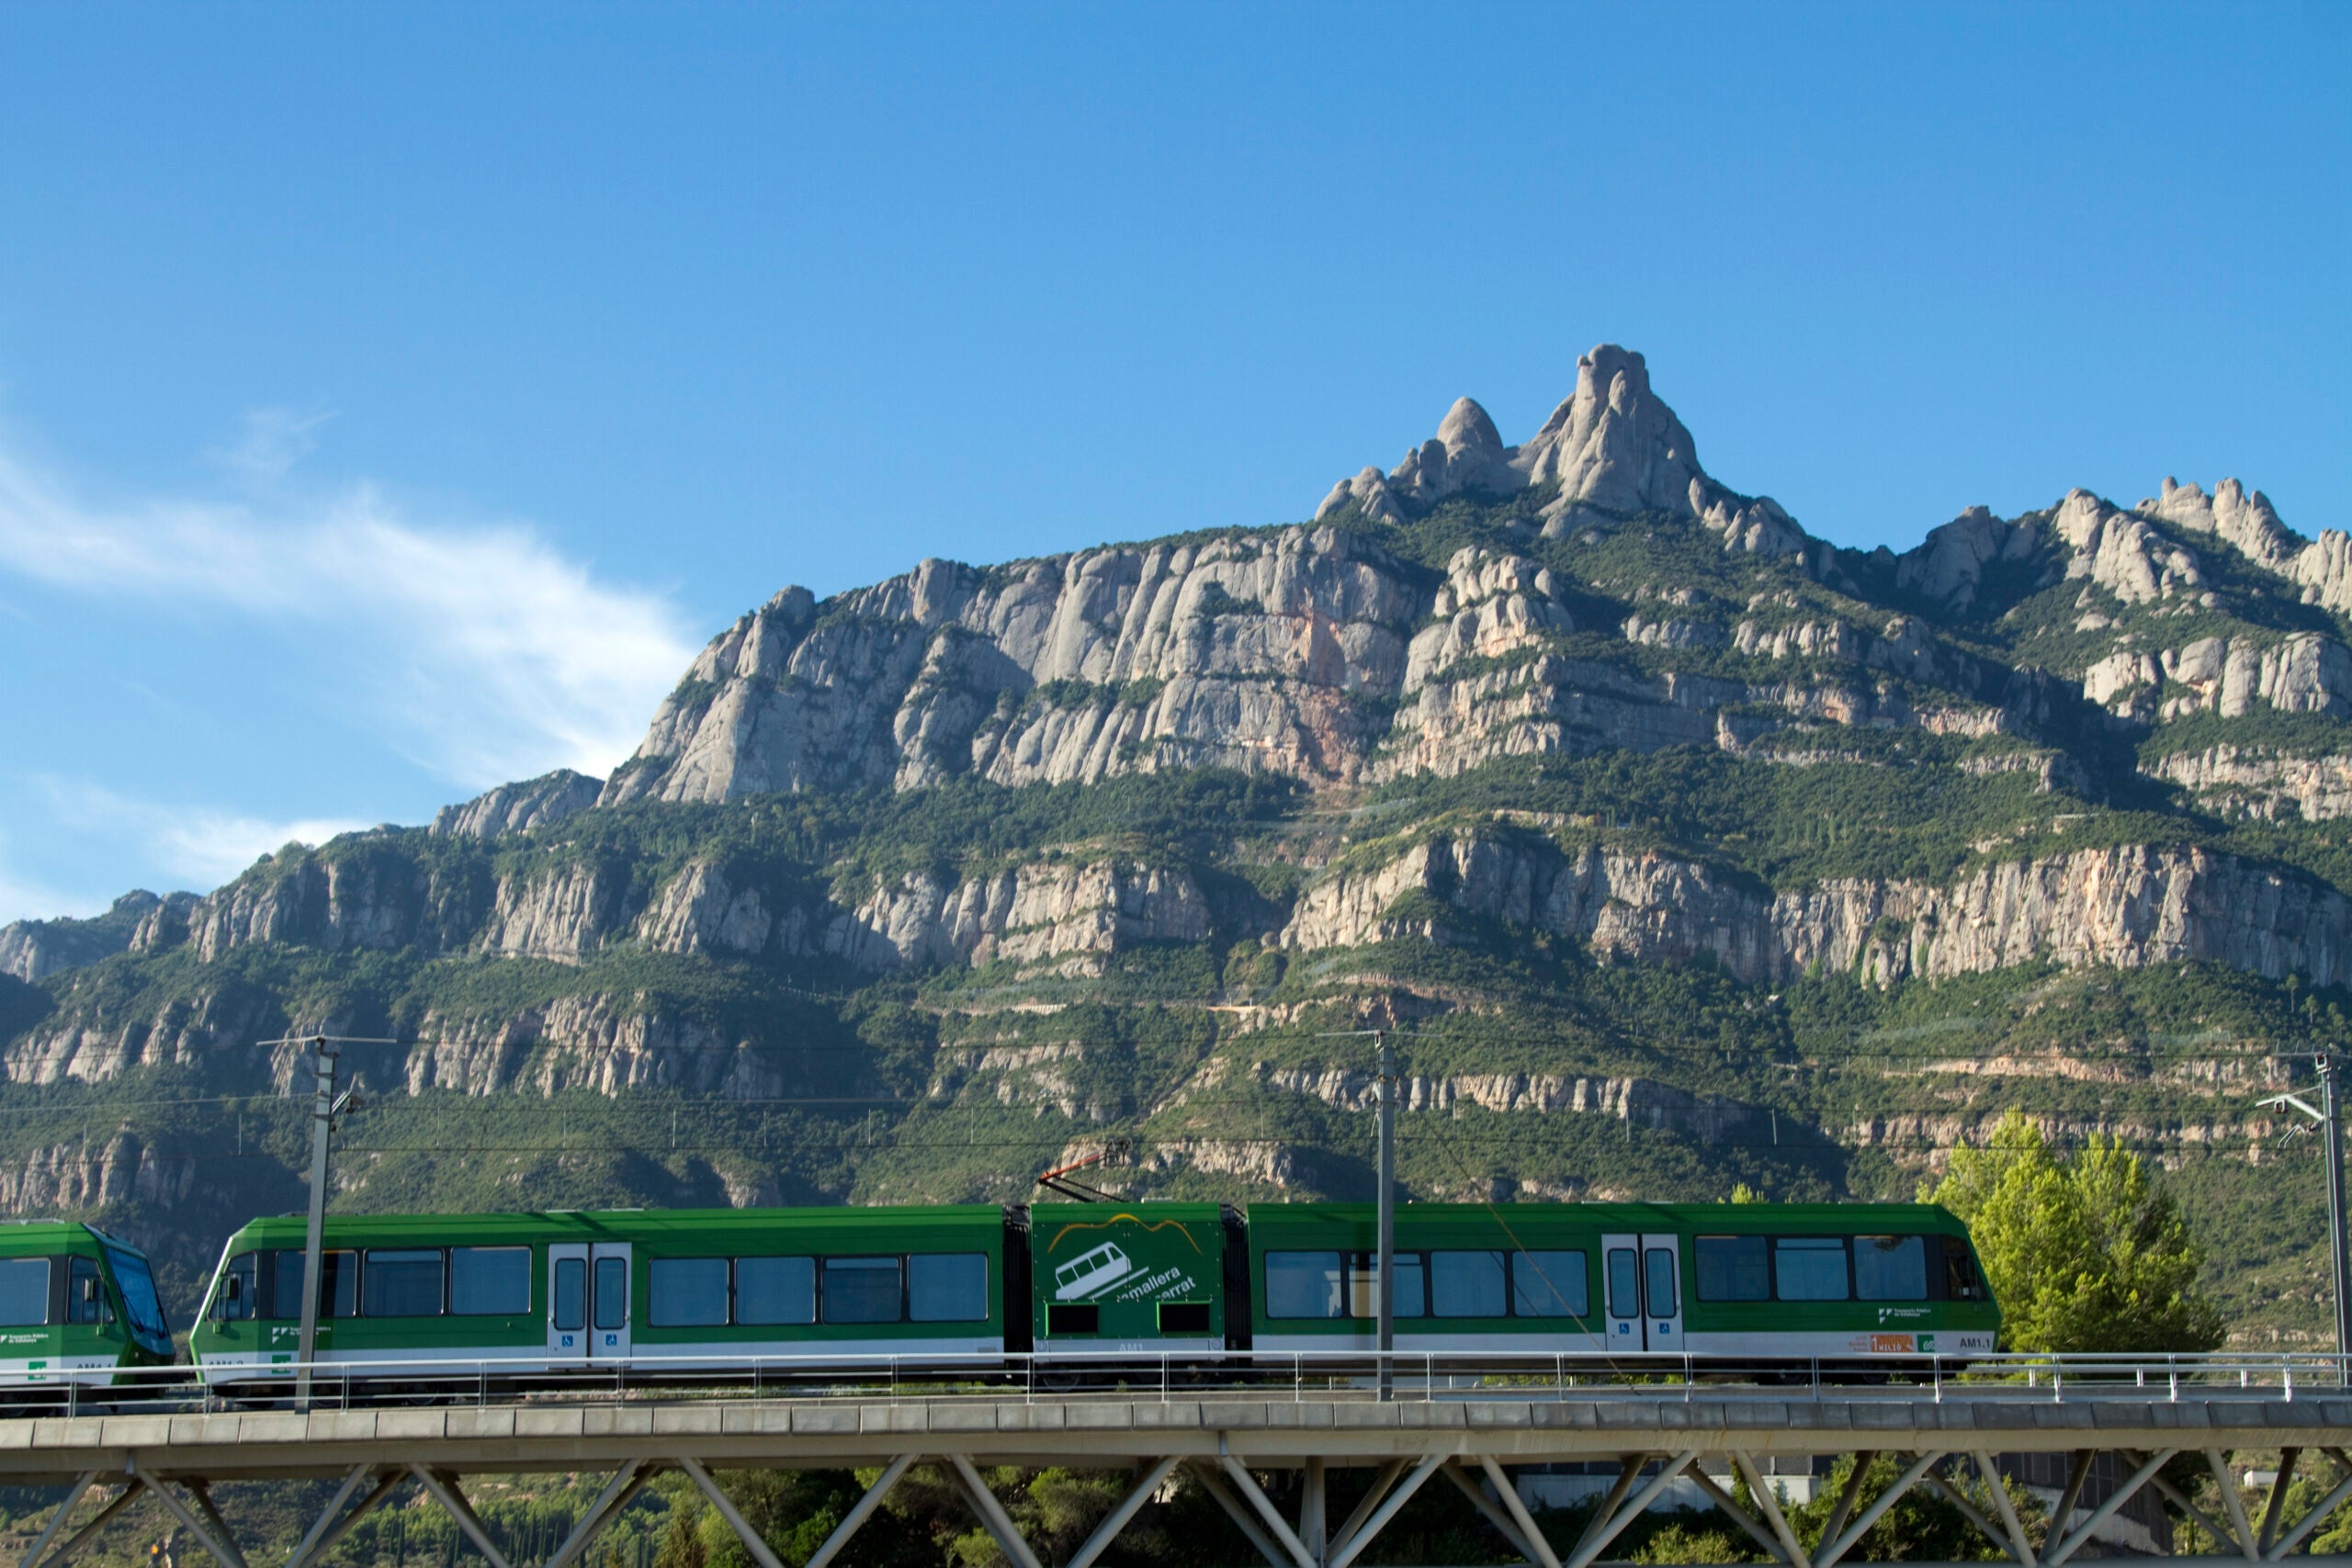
{"x":487,"y":653}
{"x":199,"y":847}
{"x":271,"y":441}
{"x":26,"y":898}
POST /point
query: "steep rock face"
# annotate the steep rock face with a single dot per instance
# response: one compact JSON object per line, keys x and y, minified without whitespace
{"x":1031,"y":914}
{"x":359,"y":898}
{"x":64,"y":1178}
{"x":31,"y":949}
{"x":1950,"y":564}
{"x":605,"y":1045}
{"x":2252,"y":780}
{"x":519,"y":808}
{"x":1643,"y":1101}
{"x":2305,"y":673}
{"x":2129,"y":907}
{"x":1245,"y":651}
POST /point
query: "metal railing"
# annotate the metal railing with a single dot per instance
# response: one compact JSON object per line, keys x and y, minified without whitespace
{"x":1405,"y":1376}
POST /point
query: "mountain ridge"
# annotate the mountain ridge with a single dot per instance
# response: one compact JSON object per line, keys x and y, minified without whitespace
{"x":1634,"y":802}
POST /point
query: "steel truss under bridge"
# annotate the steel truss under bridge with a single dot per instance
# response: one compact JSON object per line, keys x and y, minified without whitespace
{"x":1468,"y":1436}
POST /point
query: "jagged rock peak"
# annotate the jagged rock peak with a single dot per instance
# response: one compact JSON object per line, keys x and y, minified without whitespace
{"x":518,"y":807}
{"x":2247,"y":522}
{"x":1613,"y":444}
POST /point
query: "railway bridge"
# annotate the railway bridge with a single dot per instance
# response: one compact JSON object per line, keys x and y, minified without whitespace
{"x":2150,"y":1428}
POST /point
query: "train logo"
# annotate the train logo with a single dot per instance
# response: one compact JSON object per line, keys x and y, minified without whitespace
{"x":1092,"y":1273}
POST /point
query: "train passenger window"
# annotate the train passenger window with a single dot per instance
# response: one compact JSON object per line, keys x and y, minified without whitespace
{"x":1810,"y":1268}
{"x":861,"y":1290}
{"x":489,"y":1281}
{"x":1733,"y":1268}
{"x":688,"y":1292}
{"x":948,"y":1287}
{"x":1547,"y":1284}
{"x":24,"y":1292}
{"x":1890,"y":1268}
{"x":1412,"y":1286}
{"x":1624,"y":1283}
{"x":1304,"y":1285}
{"x":403,"y":1281}
{"x":86,"y":1293}
{"x":339,"y":1296}
{"x":235,"y":1300}
{"x":775,"y":1290}
{"x":1466,"y":1285}
{"x":612,"y":1292}
{"x":570,"y":1293}
{"x":1658,"y":1280}
{"x":1961,"y":1281}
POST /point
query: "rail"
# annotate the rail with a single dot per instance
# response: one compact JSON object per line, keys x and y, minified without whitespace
{"x":1405,"y":1376}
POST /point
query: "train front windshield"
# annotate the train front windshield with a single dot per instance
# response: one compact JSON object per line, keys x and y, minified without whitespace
{"x":140,"y":1302}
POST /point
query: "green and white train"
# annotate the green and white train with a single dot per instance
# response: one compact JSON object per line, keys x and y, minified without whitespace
{"x":680,"y":1293}
{"x":76,"y":1306}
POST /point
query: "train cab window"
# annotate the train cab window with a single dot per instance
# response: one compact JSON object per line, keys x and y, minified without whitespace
{"x":1961,"y":1281}
{"x":85,"y":1292}
{"x":1658,"y":1283}
{"x":1890,"y":1268}
{"x":863,"y":1290}
{"x":775,"y":1290}
{"x":1733,"y":1268}
{"x":1810,"y":1268}
{"x":489,"y":1281}
{"x":571,"y":1307}
{"x":403,"y":1281}
{"x":1304,"y":1285}
{"x":236,"y":1300}
{"x":338,"y":1298}
{"x":1467,"y":1285}
{"x":1547,"y":1284}
{"x":24,"y":1292}
{"x":1073,"y":1317}
{"x":135,"y":1283}
{"x":688,"y":1292}
{"x":612,"y":1292}
{"x":948,"y":1287}
{"x":1624,"y":1283}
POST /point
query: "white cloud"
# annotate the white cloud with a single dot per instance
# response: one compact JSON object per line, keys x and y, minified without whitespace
{"x":488,"y":653}
{"x":199,"y":847}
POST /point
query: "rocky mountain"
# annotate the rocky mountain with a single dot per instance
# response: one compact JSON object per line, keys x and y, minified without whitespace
{"x":1686,"y":848}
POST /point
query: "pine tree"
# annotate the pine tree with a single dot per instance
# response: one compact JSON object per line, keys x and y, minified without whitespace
{"x":2083,"y":1253}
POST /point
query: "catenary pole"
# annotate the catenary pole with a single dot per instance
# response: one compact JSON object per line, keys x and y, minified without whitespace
{"x":2332,"y":1128}
{"x":314,"y":1235}
{"x":1385,"y":1263}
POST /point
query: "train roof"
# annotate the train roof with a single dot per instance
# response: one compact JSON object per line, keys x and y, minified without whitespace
{"x":852,"y":1225}
{"x":1728,"y":1218}
{"x":26,"y":1238}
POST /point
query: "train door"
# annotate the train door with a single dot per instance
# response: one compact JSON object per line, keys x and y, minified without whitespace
{"x":567,"y":1301}
{"x":1621,"y":1284}
{"x":588,"y":1316}
{"x":1662,"y":1291}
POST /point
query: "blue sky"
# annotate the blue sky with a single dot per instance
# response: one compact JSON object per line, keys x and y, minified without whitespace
{"x":392,"y":398}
